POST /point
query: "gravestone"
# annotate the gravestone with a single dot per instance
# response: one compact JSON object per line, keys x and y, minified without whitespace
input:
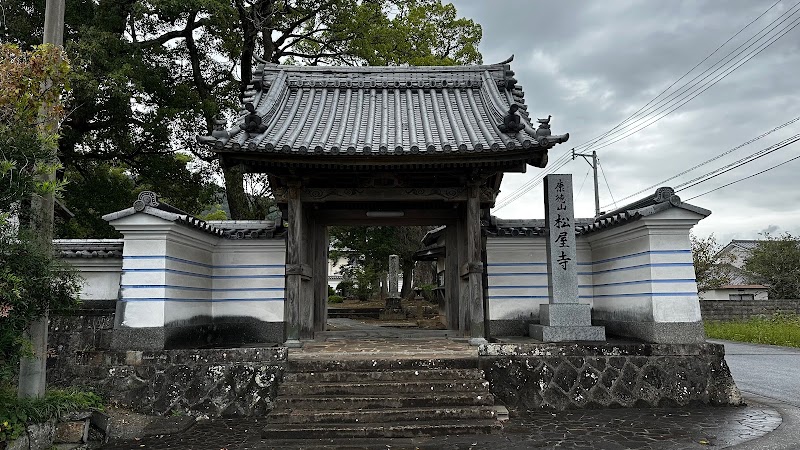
{"x":563,"y":318}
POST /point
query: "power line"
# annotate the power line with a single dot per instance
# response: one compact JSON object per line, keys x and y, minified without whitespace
{"x":705,"y":86}
{"x":736,"y":64}
{"x":736,"y":164}
{"x":745,"y":178}
{"x":585,"y":177}
{"x":599,"y":137}
{"x":727,"y":152}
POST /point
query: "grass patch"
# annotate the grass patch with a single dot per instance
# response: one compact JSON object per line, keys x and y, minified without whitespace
{"x":781,"y":329}
{"x":16,"y":413}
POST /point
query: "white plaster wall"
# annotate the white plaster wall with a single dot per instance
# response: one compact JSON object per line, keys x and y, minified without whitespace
{"x":101,"y":277}
{"x":249,"y":279}
{"x":189,"y":272}
{"x":643,"y":270}
{"x":517,"y":276}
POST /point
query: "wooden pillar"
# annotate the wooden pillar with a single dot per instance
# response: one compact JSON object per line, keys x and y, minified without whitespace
{"x":320,"y":262}
{"x":307,"y":280}
{"x":463,"y":282}
{"x":452,"y":279}
{"x":294,"y":271}
{"x":474,"y":268}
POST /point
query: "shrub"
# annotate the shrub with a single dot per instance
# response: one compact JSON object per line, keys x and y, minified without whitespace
{"x":16,"y":414}
{"x":335,"y":299}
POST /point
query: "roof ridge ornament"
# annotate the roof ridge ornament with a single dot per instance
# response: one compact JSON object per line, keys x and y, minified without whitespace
{"x":512,"y":123}
{"x":545,"y":137}
{"x":146,"y":198}
{"x":252,"y":122}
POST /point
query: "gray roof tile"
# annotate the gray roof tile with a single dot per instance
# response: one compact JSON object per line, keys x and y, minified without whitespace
{"x":381,"y":111}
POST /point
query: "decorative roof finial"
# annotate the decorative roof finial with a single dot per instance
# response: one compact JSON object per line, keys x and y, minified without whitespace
{"x":543,"y":135}
{"x":511,"y":122}
{"x":252,"y":122}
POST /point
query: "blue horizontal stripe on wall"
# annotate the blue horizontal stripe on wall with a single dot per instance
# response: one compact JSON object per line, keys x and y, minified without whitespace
{"x":663,"y":281}
{"x":200,"y":300}
{"x":210,"y":266}
{"x":528,"y":297}
{"x":616,"y":258}
{"x":641,"y":266}
{"x":650,"y":294}
{"x":530,"y":286}
{"x":202,"y":275}
{"x":649,"y":252}
{"x":516,"y":274}
{"x":190,"y":288}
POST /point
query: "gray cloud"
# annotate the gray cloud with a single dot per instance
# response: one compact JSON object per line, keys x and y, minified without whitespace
{"x":591,"y":64}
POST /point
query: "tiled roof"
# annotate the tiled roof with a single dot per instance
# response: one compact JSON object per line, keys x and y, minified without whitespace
{"x":663,"y":199}
{"x":88,"y":248}
{"x":148,"y":203}
{"x":383,"y":111}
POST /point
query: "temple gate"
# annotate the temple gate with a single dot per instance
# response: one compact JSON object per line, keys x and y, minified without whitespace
{"x":383,"y":146}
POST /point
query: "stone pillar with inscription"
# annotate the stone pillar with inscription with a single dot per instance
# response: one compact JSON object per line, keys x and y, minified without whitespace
{"x":563,"y":318}
{"x":393,"y":299}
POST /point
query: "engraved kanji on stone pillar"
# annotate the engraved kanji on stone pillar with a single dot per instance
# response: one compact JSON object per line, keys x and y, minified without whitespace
{"x":394,"y":308}
{"x":563,"y":318}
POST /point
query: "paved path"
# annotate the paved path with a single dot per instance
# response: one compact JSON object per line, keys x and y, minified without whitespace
{"x":766,"y":370}
{"x":618,"y":429}
{"x":769,"y":375}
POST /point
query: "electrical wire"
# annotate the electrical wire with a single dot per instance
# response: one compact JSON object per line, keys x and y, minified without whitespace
{"x":727,"y":152}
{"x":736,"y":164}
{"x":585,"y":177}
{"x":606,"y":179}
{"x":745,"y":178}
{"x":645,"y":110}
{"x":536,"y":181}
{"x":592,"y":141}
{"x":704,"y":87}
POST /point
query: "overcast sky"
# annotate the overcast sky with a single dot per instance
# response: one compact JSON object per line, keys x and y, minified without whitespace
{"x":591,"y":64}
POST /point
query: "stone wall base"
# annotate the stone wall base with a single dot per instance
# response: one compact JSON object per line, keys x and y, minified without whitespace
{"x":656,"y":332}
{"x":216,"y":383}
{"x":581,"y":376}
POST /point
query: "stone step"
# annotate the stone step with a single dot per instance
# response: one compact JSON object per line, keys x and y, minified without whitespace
{"x":394,"y":375}
{"x":391,"y":415}
{"x":299,"y":389}
{"x":383,"y":401}
{"x":389,"y":430}
{"x":367,"y":364}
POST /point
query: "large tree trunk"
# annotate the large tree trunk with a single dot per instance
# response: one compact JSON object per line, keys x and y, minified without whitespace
{"x":408,"y":280}
{"x":237,"y":198}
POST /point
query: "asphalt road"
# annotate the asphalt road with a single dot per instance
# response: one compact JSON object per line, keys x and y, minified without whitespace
{"x":765,"y":370}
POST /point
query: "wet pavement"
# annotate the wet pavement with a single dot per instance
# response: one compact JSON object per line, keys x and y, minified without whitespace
{"x":609,"y":429}
{"x":656,"y":428}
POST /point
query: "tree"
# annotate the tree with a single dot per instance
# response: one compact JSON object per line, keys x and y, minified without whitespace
{"x":31,"y":279}
{"x":775,"y":263}
{"x":711,"y":269}
{"x":367,"y":251}
{"x":150,"y":75}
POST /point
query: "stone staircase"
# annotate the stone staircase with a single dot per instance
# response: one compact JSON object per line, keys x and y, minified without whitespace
{"x":383,"y":398}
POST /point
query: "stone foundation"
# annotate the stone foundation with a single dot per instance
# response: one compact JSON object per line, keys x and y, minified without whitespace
{"x":215,"y":383}
{"x":561,"y":377}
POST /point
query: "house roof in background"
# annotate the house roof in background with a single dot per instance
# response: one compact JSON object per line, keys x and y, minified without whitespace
{"x":383,"y":111}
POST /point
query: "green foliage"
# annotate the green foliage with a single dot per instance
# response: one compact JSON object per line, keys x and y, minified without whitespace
{"x":367,"y":251}
{"x":31,"y":279}
{"x":712,"y":270}
{"x":149,"y":76}
{"x":333,"y":299}
{"x":780,"y":329}
{"x":16,"y":413}
{"x":775,"y":263}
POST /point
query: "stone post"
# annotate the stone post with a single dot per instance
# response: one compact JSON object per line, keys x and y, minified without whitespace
{"x":393,"y":300}
{"x":563,"y":318}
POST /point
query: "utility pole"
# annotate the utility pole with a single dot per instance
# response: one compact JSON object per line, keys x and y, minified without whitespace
{"x":33,"y":370}
{"x":593,"y":164}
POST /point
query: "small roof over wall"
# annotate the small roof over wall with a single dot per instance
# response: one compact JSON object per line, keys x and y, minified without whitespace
{"x":325,"y":116}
